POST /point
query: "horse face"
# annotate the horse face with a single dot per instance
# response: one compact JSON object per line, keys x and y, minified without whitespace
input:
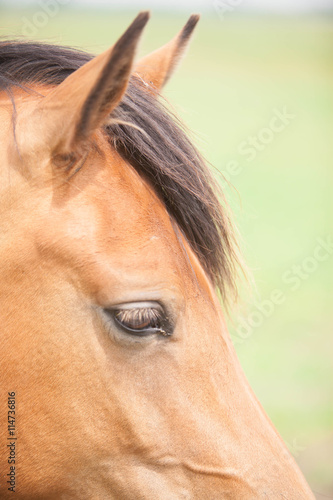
{"x":115,"y":345}
{"x":127,"y":414}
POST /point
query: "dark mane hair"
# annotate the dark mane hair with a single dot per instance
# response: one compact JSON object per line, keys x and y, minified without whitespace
{"x":155,"y":144}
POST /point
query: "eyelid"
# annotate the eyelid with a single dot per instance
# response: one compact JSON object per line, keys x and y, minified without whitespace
{"x":144,"y":332}
{"x":138,"y":305}
{"x":148,"y":317}
{"x":167,"y":325}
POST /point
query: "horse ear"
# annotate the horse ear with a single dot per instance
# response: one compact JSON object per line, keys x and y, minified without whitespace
{"x":71,"y":112}
{"x":156,"y":68}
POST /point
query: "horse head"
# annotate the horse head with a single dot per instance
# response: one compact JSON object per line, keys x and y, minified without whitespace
{"x":113,"y":246}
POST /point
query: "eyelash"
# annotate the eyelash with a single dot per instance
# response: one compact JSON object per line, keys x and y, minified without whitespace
{"x":141,"y":318}
{"x":141,"y":321}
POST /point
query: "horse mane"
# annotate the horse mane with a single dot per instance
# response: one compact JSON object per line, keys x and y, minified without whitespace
{"x":154,"y":142}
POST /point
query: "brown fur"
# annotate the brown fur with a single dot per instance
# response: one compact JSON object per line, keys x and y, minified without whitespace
{"x":154,"y":143}
{"x":103,"y":414}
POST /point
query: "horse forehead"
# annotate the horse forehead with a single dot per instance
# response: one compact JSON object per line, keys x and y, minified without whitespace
{"x":122,"y":221}
{"x":125,"y":204}
{"x":126,"y":208}
{"x":155,"y":231}
{"x":109,"y":214}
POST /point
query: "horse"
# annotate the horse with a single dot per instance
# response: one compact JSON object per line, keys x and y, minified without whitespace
{"x":119,"y":379}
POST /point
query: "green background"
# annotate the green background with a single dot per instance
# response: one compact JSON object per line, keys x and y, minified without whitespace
{"x":237,"y":73}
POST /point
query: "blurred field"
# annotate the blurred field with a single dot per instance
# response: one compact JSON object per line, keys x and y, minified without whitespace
{"x":238,"y":74}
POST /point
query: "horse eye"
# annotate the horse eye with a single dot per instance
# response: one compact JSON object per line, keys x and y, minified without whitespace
{"x":142,"y":321}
